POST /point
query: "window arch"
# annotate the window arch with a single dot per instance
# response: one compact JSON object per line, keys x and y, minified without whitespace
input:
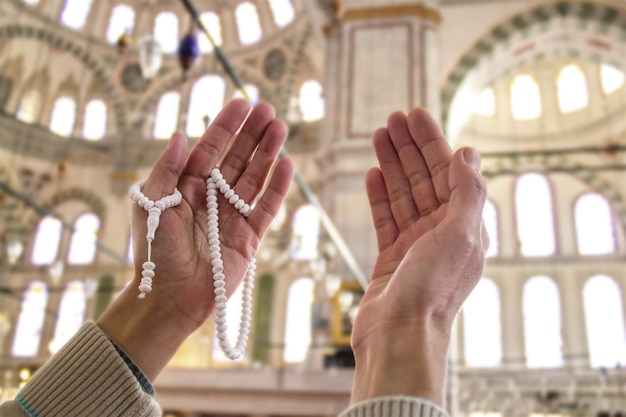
{"x":122,"y":21}
{"x":83,"y":244}
{"x":252,"y":91}
{"x":29,"y":108}
{"x":486,"y":103}
{"x":311,"y":101}
{"x":31,"y":2}
{"x":305,"y":229}
{"x":166,"y":119}
{"x":594,"y":225}
{"x":611,"y":78}
{"x":211,"y":21}
{"x":233,"y":318}
{"x":30,"y":321}
{"x":71,"y":314}
{"x":542,"y":323}
{"x":571,"y":87}
{"x":94,"y":125}
{"x":207,"y":99}
{"x":63,"y":116}
{"x":490,"y":220}
{"x":46,"y":242}
{"x":604,"y":319}
{"x":75,"y":12}
{"x":248,"y":24}
{"x":283,"y":12}
{"x":533,"y":209}
{"x":525,"y":97}
{"x":299,"y":320}
{"x":166,"y":31}
{"x":482,"y":327}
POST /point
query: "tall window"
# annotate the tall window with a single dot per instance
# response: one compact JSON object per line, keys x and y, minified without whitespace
{"x":525,"y":98}
{"x":490,"y":220}
{"x":482,"y":327}
{"x":122,"y":21}
{"x":486,"y":103}
{"x":233,"y":318}
{"x":305,"y":229}
{"x":571,"y":89}
{"x":248,"y":24}
{"x":604,"y":318}
{"x":594,"y":225}
{"x":71,"y":314}
{"x":166,"y":119}
{"x":83,"y":244}
{"x":211,"y":22}
{"x":611,"y":78}
{"x":207,"y":99}
{"x":95,"y":122}
{"x":63,"y":116}
{"x":30,"y":321}
{"x":31,"y":2}
{"x":75,"y":13}
{"x":311,"y":101}
{"x":283,"y":12}
{"x":29,"y":106}
{"x":47,"y":239}
{"x":533,"y":208}
{"x":542,"y":323}
{"x":166,"y":31}
{"x":252,"y":91}
{"x":299,"y":320}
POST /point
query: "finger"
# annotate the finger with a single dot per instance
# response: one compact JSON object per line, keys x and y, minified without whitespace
{"x":273,"y":196}
{"x":242,"y":149}
{"x":167,"y":169}
{"x":413,"y":164}
{"x":397,"y":184}
{"x":434,"y":148}
{"x":382,"y":217}
{"x":208,"y":150}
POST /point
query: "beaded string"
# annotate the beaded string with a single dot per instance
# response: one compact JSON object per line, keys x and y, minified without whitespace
{"x":154,"y":209}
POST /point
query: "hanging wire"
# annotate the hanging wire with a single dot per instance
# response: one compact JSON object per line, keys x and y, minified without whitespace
{"x":306,"y":191}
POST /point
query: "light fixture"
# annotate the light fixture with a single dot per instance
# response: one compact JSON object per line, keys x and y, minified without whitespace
{"x":15,"y":248}
{"x":56,"y":271}
{"x":150,"y":57}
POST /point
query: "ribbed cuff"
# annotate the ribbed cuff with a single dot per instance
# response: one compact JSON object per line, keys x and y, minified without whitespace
{"x":87,"y":377}
{"x":395,"y":406}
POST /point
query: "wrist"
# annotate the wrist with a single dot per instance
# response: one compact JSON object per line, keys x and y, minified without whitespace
{"x":408,"y":359}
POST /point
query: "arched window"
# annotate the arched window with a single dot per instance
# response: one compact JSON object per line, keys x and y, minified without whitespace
{"x":482,"y":327}
{"x":311,"y":101}
{"x":533,"y":209}
{"x":83,"y":244}
{"x":211,"y":21}
{"x":233,"y":318}
{"x":75,"y":13}
{"x":31,"y":2}
{"x":604,"y":319}
{"x":490,"y":220}
{"x":283,"y":12}
{"x":30,"y":105}
{"x":525,"y":98}
{"x":248,"y":24}
{"x":94,"y":125}
{"x":252,"y":91}
{"x":122,"y":21}
{"x":571,"y":89}
{"x":30,"y":321}
{"x":166,"y":31}
{"x":47,"y":239}
{"x":486,"y":103}
{"x":71,"y":314}
{"x":299,"y":320}
{"x":542,"y":323}
{"x":207,"y":99}
{"x":611,"y":78}
{"x":166,"y":119}
{"x":63,"y":116}
{"x":594,"y":225}
{"x":305,"y":233}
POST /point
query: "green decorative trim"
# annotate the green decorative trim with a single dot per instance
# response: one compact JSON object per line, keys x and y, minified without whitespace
{"x":263,"y":319}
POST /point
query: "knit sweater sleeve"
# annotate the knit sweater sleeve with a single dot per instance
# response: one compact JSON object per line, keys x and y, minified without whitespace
{"x":395,"y":406}
{"x":87,"y":377}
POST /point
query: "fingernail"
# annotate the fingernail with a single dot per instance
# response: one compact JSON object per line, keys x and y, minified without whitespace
{"x":472,"y":158}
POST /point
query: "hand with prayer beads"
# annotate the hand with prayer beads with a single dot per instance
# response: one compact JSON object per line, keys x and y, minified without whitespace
{"x":245,"y":145}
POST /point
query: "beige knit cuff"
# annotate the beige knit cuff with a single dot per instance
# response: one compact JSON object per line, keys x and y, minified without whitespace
{"x":395,"y":406}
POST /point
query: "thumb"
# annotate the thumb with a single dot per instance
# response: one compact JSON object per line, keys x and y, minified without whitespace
{"x":468,"y":191}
